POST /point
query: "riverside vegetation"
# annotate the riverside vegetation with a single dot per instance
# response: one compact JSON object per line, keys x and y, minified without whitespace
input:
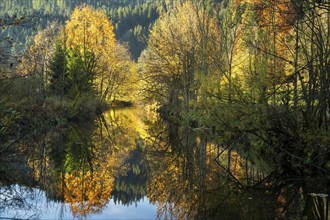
{"x":248,"y":77}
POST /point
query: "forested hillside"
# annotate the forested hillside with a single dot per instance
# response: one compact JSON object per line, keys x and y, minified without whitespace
{"x":131,"y":18}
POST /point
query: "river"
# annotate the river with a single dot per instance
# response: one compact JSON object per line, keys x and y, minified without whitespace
{"x":129,"y":164}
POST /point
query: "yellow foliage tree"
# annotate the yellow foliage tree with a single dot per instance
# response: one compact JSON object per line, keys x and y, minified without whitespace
{"x":176,"y":48}
{"x":90,"y":32}
{"x":35,"y":61}
{"x":90,"y":29}
{"x":88,"y":192}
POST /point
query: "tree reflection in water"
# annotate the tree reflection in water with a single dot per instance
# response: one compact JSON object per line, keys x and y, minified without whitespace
{"x":130,"y":187}
{"x":127,"y":156}
{"x":191,"y":177}
{"x":78,"y":164}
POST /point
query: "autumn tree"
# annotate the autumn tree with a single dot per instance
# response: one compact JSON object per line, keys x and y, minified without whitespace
{"x":91,"y":34}
{"x":115,"y":78}
{"x":229,"y":16}
{"x":300,"y":31}
{"x":35,"y":61}
{"x":287,"y":48}
{"x":171,"y":63}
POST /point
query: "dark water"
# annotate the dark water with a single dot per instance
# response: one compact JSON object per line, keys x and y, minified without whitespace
{"x":131,"y":165}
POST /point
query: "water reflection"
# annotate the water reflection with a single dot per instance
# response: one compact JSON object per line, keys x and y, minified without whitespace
{"x":127,"y":159}
{"x":85,"y":165}
{"x":192,"y":176}
{"x":130,"y":187}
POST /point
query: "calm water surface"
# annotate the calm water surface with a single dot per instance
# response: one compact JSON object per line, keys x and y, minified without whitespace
{"x":129,"y":164}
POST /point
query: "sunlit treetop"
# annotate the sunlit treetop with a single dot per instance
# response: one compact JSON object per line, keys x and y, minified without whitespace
{"x":89,"y":28}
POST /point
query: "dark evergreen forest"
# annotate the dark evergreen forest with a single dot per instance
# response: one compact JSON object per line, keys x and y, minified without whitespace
{"x":132,"y":20}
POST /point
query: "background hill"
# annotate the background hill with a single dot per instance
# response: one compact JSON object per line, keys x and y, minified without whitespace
{"x":131,"y":18}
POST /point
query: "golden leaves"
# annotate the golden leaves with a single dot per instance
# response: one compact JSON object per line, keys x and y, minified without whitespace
{"x":87,"y":192}
{"x":90,"y":29}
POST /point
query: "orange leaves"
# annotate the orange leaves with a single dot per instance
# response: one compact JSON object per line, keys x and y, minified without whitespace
{"x":276,"y":12}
